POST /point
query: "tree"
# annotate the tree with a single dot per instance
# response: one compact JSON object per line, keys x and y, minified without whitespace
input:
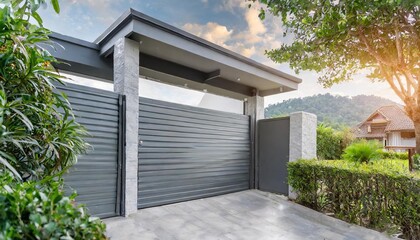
{"x":338,"y":38}
{"x":38,"y":134}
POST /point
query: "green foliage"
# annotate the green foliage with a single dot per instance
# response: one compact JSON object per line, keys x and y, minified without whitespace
{"x":338,"y":39}
{"x":38,"y":134}
{"x":362,"y":151}
{"x":393,"y":155}
{"x":379,"y":195}
{"x":39,"y":210}
{"x":416,"y":162}
{"x":331,"y":143}
{"x":333,"y":110}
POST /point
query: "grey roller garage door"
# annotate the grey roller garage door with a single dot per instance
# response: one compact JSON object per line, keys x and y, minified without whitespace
{"x":188,"y":153}
{"x":96,"y":176}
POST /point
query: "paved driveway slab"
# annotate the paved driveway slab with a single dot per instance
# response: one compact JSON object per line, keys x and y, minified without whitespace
{"x":244,"y":215}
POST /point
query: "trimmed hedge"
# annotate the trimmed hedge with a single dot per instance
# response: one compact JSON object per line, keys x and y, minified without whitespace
{"x":394,"y":155}
{"x":381,"y":196}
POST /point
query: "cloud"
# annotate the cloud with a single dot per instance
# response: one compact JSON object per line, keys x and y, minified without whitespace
{"x":255,"y":25}
{"x":251,"y":41}
{"x":103,"y":10}
{"x":231,"y":5}
{"x":211,"y":31}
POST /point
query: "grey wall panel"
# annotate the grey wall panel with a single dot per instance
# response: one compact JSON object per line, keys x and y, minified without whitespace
{"x":189,"y":153}
{"x":96,"y":175}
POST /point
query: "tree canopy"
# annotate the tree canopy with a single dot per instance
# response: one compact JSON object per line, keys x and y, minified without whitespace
{"x":338,"y":38}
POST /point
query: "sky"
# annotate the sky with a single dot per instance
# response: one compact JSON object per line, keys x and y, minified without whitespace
{"x":228,"y":23}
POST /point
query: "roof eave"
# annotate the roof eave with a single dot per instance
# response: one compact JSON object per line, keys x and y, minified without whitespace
{"x":132,"y":14}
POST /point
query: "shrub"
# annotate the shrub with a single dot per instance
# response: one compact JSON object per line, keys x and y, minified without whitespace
{"x":416,"y":161}
{"x":380,"y":195}
{"x":38,"y":134}
{"x":362,"y":151}
{"x":331,"y":143}
{"x":39,"y":210}
{"x":393,"y":155}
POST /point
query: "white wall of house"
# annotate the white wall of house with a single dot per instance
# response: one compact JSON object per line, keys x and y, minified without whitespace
{"x":395,"y":139}
{"x":411,"y":142}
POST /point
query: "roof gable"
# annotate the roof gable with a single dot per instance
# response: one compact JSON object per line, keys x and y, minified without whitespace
{"x":395,"y":116}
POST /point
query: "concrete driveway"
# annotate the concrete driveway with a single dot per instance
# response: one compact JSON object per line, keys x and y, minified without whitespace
{"x":244,"y":215}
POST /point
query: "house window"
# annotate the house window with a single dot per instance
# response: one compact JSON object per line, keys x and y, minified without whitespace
{"x":408,"y":135}
{"x":369,"y":129}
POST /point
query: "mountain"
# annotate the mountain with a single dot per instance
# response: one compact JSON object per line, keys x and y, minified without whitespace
{"x":334,"y":110}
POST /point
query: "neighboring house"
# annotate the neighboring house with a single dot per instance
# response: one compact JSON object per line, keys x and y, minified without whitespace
{"x":389,"y":124}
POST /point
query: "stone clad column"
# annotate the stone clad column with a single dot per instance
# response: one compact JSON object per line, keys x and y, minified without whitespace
{"x":254,"y":107}
{"x":302,"y":142}
{"x":126,"y":82}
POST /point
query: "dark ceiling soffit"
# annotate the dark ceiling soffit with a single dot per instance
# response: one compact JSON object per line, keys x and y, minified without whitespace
{"x":132,"y":14}
{"x":105,"y":74}
{"x":181,"y":71}
{"x":80,"y":57}
{"x":74,"y":41}
{"x":211,"y":75}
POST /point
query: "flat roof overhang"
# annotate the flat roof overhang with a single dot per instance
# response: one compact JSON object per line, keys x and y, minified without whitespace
{"x":173,"y":56}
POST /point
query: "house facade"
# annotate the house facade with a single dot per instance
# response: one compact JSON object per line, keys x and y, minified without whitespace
{"x":148,"y":152}
{"x":390,"y":125}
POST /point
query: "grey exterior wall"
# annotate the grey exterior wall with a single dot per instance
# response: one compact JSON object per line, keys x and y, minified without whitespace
{"x":188,"y":153}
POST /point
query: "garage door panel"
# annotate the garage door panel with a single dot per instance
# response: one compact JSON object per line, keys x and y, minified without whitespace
{"x":188,"y":140}
{"x":196,"y":154}
{"x":179,"y":112}
{"x":96,"y":177}
{"x":168,"y":199}
{"x":221,"y":148}
{"x":193,"y":125}
{"x":189,"y":145}
{"x":188,"y":189}
{"x":189,"y":153}
{"x":160,"y":116}
{"x":195,"y":172}
{"x":191,"y":134}
{"x":189,"y":129}
{"x":191,"y":165}
{"x":156,"y":104}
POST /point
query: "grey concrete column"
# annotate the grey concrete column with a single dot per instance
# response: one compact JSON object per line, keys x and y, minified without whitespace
{"x":126,"y":81}
{"x":254,"y":107}
{"x":302,"y":138}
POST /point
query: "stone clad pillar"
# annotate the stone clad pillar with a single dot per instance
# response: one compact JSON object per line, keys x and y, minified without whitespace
{"x":254,"y":107}
{"x":302,"y":142}
{"x":126,"y":82}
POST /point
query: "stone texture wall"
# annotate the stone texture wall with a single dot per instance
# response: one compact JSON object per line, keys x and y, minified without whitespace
{"x":302,"y":136}
{"x":126,"y":81}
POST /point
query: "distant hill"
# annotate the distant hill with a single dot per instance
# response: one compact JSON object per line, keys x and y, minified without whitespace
{"x":335,"y":110}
